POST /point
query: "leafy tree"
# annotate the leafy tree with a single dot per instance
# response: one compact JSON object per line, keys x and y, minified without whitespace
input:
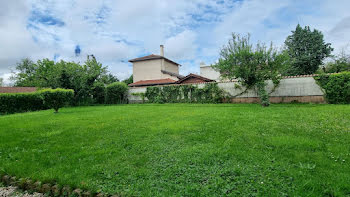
{"x":307,"y":50}
{"x":340,"y":63}
{"x":129,"y":80}
{"x":56,"y":98}
{"x":1,"y":82}
{"x":252,"y":66}
{"x":69,"y":75}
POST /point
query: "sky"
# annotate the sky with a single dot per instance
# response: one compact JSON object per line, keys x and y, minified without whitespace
{"x":192,"y":31}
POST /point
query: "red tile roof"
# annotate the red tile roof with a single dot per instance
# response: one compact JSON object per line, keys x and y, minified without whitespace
{"x":152,"y":57}
{"x":203,"y":79}
{"x":152,"y":82}
{"x":17,"y":89}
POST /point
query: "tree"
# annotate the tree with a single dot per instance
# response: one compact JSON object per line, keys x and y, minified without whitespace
{"x":307,"y":50}
{"x":69,"y":75}
{"x":252,"y":66}
{"x":1,"y":82}
{"x":340,"y":63}
{"x":129,"y":80}
{"x":56,"y":98}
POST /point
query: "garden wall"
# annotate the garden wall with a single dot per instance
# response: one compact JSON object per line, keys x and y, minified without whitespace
{"x":303,"y":89}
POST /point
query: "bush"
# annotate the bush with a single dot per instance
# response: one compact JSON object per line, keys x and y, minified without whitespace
{"x":99,"y":93}
{"x":116,"y":93}
{"x":20,"y":102}
{"x":56,"y":98}
{"x":336,"y":87}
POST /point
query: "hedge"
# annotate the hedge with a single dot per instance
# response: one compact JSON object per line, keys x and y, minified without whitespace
{"x":336,"y":87}
{"x":20,"y":102}
{"x":24,"y":102}
{"x":117,"y":93}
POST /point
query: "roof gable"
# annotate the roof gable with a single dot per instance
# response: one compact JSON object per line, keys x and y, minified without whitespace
{"x":198,"y":78}
{"x":152,"y":57}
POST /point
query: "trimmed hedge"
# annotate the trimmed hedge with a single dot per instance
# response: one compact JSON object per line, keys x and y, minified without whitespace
{"x":336,"y":87}
{"x":56,"y":98}
{"x":117,"y":92}
{"x":20,"y":102}
{"x":24,"y":102}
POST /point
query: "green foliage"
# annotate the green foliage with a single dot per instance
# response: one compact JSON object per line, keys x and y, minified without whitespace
{"x":56,"y":98}
{"x":336,"y":87}
{"x":339,"y":64}
{"x":20,"y":102}
{"x":1,"y":81}
{"x":210,"y":93}
{"x":68,"y":75}
{"x":116,"y":93}
{"x":252,"y":66}
{"x":99,"y":92}
{"x":129,"y":80}
{"x":307,"y":50}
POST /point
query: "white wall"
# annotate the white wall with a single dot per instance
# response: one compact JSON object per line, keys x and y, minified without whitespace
{"x":210,"y":73}
{"x":289,"y":87}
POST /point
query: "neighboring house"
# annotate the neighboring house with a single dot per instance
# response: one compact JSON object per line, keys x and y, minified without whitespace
{"x":209,"y":72}
{"x":17,"y":89}
{"x":159,"y":70}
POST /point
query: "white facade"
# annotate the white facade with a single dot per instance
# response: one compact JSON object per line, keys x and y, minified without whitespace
{"x":209,"y":72}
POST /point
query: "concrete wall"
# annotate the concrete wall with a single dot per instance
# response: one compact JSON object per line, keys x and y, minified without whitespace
{"x":303,"y":89}
{"x":147,"y":70}
{"x":168,"y":66}
{"x":209,"y":72}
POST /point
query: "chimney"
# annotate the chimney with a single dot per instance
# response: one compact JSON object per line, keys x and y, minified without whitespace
{"x":161,"y":50}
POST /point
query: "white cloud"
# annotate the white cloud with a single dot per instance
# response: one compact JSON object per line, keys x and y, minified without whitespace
{"x":181,"y":46}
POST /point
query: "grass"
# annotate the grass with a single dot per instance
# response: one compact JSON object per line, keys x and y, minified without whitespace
{"x":184,"y":149}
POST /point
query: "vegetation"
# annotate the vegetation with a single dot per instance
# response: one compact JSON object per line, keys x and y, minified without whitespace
{"x":1,"y":81}
{"x":117,"y":92}
{"x":129,"y":80}
{"x":20,"y":102}
{"x":56,"y":98}
{"x":336,"y":87}
{"x":307,"y":50}
{"x":43,"y":99}
{"x":251,"y":66}
{"x":340,"y":63}
{"x":184,"y":149}
{"x":82,"y":78}
{"x":210,"y":93}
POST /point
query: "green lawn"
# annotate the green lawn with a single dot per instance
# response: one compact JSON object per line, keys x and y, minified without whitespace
{"x":184,"y":149}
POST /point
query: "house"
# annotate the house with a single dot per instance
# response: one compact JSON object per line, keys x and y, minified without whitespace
{"x":159,"y":70}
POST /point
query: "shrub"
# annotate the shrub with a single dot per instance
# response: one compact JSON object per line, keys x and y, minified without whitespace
{"x":56,"y":98}
{"x":99,"y":93}
{"x":116,"y":93}
{"x":20,"y":102}
{"x":336,"y":87}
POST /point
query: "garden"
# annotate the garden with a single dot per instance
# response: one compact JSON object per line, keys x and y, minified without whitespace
{"x":78,"y":136}
{"x":183,"y":149}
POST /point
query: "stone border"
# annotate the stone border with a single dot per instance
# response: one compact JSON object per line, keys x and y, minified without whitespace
{"x":47,"y":188}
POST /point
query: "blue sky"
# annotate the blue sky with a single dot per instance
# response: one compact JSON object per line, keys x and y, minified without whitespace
{"x":191,"y":30}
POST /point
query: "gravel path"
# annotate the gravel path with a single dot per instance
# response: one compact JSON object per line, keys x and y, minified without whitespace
{"x":13,"y":192}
